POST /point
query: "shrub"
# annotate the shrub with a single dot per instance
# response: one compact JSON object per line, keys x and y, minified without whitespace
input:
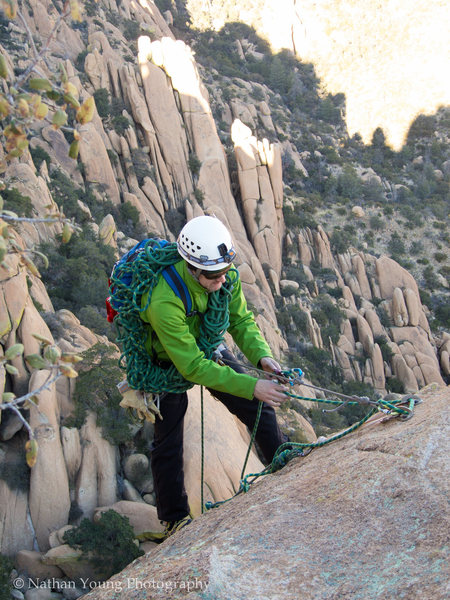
{"x":194,"y":164}
{"x":101,"y":97}
{"x":108,"y":544}
{"x":6,"y":566}
{"x":376,"y":222}
{"x":394,"y":385}
{"x":96,"y":391}
{"x":120,"y":124}
{"x":131,"y":29}
{"x":296,"y":273}
{"x":79,"y":61}
{"x":175,"y":220}
{"x":66,"y":195}
{"x":329,"y":316}
{"x":14,"y":471}
{"x":78,"y":271}
{"x":16,"y":202}
{"x":416,"y":247}
{"x":396,"y":245}
{"x":94,"y":318}
{"x":141,"y":165}
{"x":39,"y":155}
{"x":349,"y":184}
{"x":386,"y":351}
{"x":430,"y":278}
{"x":341,"y":240}
{"x":384,"y":317}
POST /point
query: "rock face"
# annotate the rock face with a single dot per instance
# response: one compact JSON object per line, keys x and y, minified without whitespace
{"x":385,"y":292}
{"x":330,"y":525}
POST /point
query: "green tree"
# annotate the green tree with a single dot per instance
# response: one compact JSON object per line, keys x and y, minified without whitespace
{"x":96,"y":391}
{"x":108,"y":543}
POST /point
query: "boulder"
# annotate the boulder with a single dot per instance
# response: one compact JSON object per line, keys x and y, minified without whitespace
{"x":96,"y":162}
{"x":142,"y":516}
{"x":136,"y":467}
{"x":96,"y":481}
{"x":399,"y":310}
{"x":30,"y":563}
{"x":404,"y":373}
{"x":389,"y":483}
{"x":69,"y":561}
{"x":413,"y":306}
{"x":364,"y":334}
{"x":374,"y":322}
{"x":226,"y":442}
{"x":358,"y":212}
{"x":391,"y":275}
{"x":16,"y":530}
{"x":49,"y":485}
{"x":360,"y":270}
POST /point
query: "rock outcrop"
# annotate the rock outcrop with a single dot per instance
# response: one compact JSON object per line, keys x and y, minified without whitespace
{"x":383,"y":313}
{"x":321,"y":527}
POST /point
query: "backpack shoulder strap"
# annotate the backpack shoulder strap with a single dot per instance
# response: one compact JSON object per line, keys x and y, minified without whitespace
{"x":179,"y":287}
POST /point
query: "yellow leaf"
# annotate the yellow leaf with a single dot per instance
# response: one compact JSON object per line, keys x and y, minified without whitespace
{"x":10,"y":8}
{"x":31,"y":448}
{"x":67,"y":230}
{"x":30,"y":265}
{"x":69,"y":357}
{"x":69,"y":88}
{"x":7,"y":397}
{"x":76,"y":135}
{"x":75,"y":11}
{"x":68,"y":371}
{"x":41,"y":111}
{"x":23,"y":108}
{"x":4,"y":107}
{"x":73,"y":150}
{"x":59,"y":119}
{"x":86,"y":111}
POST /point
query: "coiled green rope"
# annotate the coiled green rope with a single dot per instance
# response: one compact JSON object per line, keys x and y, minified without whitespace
{"x":143,"y":272}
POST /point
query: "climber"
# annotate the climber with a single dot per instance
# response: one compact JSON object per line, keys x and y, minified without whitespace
{"x":207,"y":250}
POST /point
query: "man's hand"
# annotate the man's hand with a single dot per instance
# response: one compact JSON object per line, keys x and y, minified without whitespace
{"x":269,"y":364}
{"x":271,"y":392}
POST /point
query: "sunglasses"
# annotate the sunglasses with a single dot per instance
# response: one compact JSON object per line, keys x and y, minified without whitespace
{"x":215,"y":274}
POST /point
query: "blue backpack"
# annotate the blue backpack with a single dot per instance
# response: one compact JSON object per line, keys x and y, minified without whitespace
{"x":122,"y":276}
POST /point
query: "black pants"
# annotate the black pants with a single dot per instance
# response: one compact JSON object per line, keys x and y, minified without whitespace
{"x":167,"y":450}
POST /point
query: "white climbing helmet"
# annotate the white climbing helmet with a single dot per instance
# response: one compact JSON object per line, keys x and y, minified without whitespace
{"x":206,"y":243}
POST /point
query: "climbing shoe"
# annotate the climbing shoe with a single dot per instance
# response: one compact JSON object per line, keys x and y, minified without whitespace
{"x":174,"y":526}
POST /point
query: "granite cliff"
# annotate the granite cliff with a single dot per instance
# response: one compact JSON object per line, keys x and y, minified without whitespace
{"x":167,"y":143}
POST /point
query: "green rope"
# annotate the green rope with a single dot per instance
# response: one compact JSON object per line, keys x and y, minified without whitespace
{"x":252,"y":439}
{"x":143,"y":272}
{"x":289,"y":450}
{"x":202,"y":477}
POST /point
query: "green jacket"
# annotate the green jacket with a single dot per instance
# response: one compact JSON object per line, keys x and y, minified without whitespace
{"x":176,"y":335}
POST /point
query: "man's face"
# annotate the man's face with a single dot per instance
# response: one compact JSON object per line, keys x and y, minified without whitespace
{"x":212,"y":285}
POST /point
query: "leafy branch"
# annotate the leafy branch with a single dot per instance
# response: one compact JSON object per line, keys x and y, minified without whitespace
{"x":26,"y":99}
{"x":51,"y":359}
